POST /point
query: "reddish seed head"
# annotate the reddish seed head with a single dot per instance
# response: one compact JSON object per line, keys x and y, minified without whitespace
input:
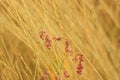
{"x":57,"y":78}
{"x":47,"y":38}
{"x":81,"y":58}
{"x":42,"y":35}
{"x":47,"y":73}
{"x":67,"y":43}
{"x":57,"y":38}
{"x":79,"y":72}
{"x":75,"y":59}
{"x":81,"y":55}
{"x":43,"y":77}
{"x":47,"y":42}
{"x":79,"y":66}
{"x":68,"y":50}
{"x":66,"y":75}
{"x":78,"y":57}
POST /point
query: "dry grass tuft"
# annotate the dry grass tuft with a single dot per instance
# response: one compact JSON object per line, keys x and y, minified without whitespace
{"x":92,"y":28}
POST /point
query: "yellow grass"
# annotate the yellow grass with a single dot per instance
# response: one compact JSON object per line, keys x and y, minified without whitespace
{"x":92,"y":26}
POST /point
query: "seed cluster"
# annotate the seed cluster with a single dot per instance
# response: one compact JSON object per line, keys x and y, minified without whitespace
{"x":67,"y":46}
{"x":48,"y":41}
{"x":44,"y":76}
{"x":78,"y":58}
{"x":66,"y":75}
{"x":57,"y":38}
{"x":44,"y":36}
{"x":57,"y":78}
{"x":80,"y":66}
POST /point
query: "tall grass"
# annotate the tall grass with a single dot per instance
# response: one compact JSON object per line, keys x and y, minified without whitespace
{"x":92,"y":28}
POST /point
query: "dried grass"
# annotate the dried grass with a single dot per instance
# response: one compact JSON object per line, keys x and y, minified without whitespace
{"x":92,"y":26}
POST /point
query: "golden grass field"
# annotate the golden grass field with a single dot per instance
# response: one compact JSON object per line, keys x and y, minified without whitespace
{"x":91,"y":26}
